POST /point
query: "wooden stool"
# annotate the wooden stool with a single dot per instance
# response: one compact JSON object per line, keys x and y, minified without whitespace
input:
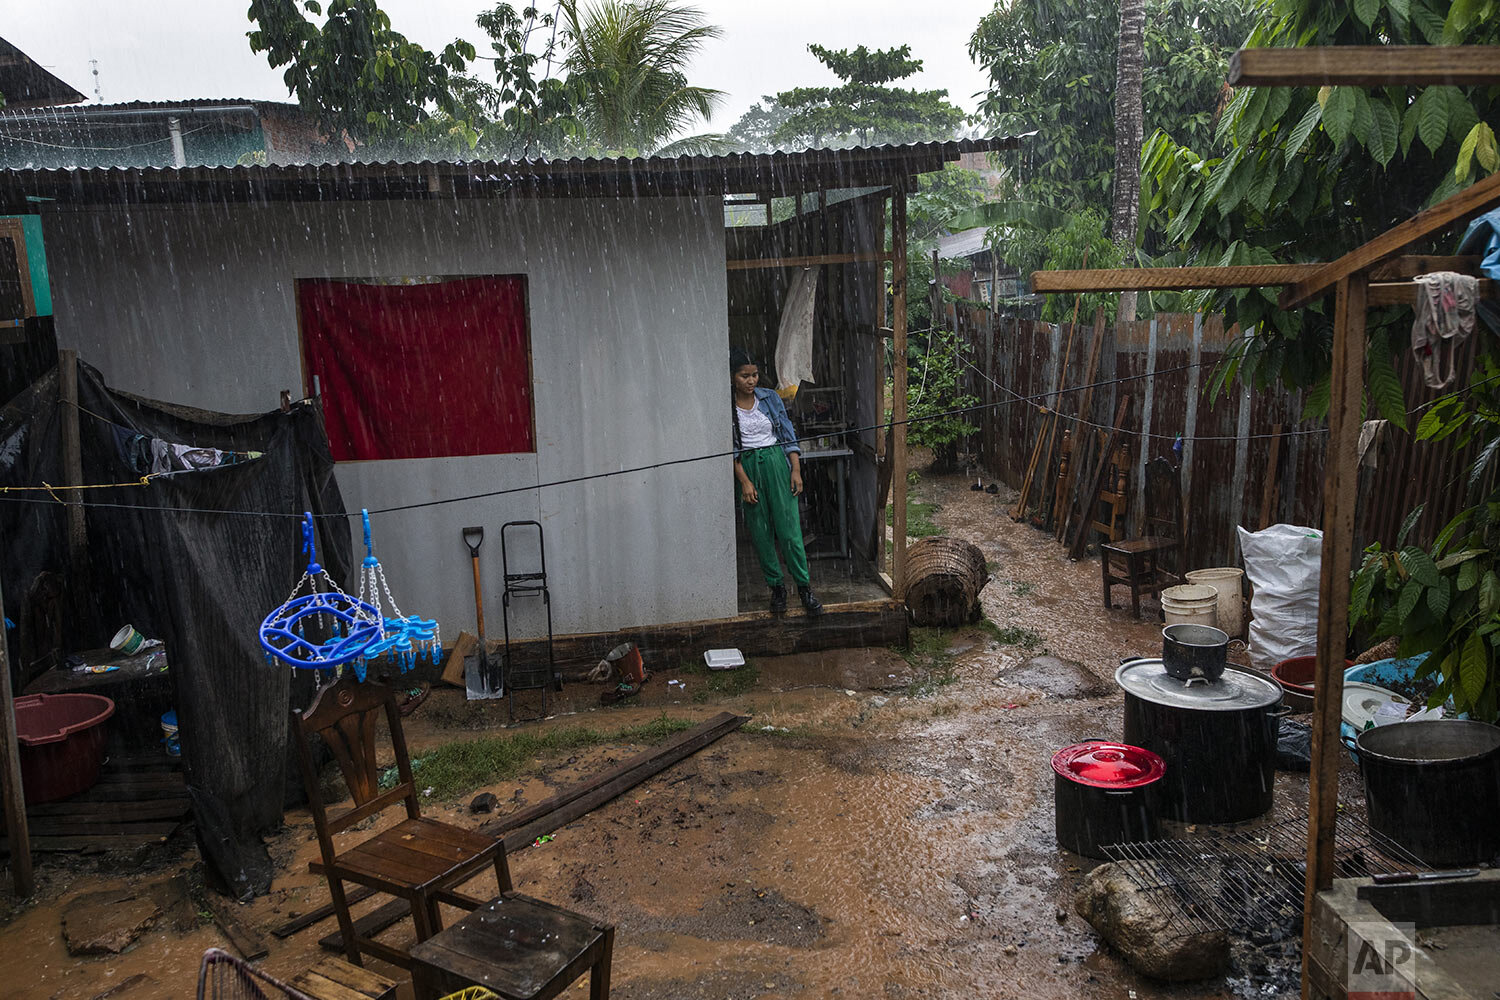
{"x":335,"y":979}
{"x":1140,"y":572}
{"x":518,"y":947}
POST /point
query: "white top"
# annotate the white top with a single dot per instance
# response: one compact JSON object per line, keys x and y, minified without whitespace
{"x":755,"y":428}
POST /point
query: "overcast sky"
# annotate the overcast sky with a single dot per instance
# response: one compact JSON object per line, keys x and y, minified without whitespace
{"x":172,"y":49}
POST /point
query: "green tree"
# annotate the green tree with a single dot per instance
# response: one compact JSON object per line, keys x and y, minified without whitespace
{"x":864,"y":109}
{"x":935,"y":387}
{"x":1304,"y":174}
{"x":356,"y":74}
{"x":755,"y":132}
{"x":627,"y":62}
{"x":1051,"y":66}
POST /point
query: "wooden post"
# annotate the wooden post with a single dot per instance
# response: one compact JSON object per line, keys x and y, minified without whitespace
{"x":72,"y":457}
{"x":16,"y":831}
{"x":1340,"y":479}
{"x":898,"y":390}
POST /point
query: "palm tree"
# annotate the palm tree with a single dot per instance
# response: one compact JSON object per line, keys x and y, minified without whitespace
{"x":627,"y":58}
{"x":1124,"y":218}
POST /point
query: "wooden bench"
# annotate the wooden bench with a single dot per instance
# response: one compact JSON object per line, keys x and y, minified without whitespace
{"x":335,"y":979}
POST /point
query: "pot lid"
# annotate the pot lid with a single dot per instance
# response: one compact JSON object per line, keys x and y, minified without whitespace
{"x":1108,"y":765}
{"x":1362,"y":702}
{"x":1232,"y":692}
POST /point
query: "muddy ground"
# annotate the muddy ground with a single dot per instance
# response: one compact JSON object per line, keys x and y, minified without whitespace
{"x":881,"y":828}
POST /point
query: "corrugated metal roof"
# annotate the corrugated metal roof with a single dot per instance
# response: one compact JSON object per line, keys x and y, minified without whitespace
{"x":187,"y":105}
{"x":775,"y":173}
{"x":963,"y":244}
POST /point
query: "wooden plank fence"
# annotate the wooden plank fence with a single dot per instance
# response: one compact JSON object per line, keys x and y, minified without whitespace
{"x":1228,"y":443}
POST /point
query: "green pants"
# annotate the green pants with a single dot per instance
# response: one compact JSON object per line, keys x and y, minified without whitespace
{"x":775,"y":518}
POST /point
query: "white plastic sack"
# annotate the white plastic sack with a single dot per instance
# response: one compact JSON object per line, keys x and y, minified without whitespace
{"x":1283,"y":563}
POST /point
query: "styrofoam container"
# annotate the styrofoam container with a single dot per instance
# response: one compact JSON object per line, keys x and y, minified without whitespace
{"x":723,"y":659}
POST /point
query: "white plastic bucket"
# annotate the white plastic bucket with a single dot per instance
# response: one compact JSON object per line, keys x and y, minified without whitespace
{"x":1226,"y":581}
{"x":1191,"y":604}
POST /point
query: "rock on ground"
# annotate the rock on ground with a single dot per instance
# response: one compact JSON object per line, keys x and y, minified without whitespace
{"x":1140,"y":930}
{"x":106,"y":923}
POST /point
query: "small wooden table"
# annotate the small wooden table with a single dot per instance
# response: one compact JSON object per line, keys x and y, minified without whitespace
{"x":517,"y":946}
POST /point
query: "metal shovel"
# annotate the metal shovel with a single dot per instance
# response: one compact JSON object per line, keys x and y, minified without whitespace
{"x":473,"y":538}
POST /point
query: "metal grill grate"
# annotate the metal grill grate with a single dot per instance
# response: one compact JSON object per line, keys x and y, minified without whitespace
{"x":1248,"y":881}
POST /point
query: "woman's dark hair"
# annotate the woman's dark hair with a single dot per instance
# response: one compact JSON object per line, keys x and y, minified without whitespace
{"x":737,"y":360}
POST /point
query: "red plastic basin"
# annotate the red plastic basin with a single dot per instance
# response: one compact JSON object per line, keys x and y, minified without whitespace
{"x":61,"y":739}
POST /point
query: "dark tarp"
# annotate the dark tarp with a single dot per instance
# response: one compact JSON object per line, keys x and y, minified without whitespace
{"x":200,"y":576}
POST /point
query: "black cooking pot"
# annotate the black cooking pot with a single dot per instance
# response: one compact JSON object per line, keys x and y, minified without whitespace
{"x":1102,"y":795}
{"x":1218,"y":739}
{"x":1194,"y":651}
{"x":1434,"y":788}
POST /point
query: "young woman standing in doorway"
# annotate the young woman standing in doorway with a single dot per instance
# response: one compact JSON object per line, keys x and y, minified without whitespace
{"x":768,"y":467}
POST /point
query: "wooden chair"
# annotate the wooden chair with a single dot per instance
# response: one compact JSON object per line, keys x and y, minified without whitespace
{"x":422,"y":861}
{"x":1137,"y":562}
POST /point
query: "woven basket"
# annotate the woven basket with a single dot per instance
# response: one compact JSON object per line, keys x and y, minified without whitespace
{"x":946,"y":576}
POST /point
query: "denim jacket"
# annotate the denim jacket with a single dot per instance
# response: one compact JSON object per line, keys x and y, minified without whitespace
{"x":769,"y":403}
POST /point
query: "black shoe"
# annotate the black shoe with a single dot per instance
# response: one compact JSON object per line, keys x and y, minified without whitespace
{"x":810,"y":604}
{"x":778,"y":600}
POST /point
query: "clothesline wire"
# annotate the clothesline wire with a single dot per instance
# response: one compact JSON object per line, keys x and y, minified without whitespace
{"x":573,"y":480}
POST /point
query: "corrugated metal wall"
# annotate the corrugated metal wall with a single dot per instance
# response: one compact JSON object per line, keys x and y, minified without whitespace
{"x":1228,"y":444}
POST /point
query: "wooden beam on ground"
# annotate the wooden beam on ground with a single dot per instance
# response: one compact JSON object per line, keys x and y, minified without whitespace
{"x":18,"y":834}
{"x":521,"y":828}
{"x":898,"y":389}
{"x":755,"y":633}
{"x":809,"y":260}
{"x":1340,"y":482}
{"x":249,"y":942}
{"x":1169,"y":279}
{"x":1366,"y":66}
{"x":1457,"y":208}
{"x":318,"y":914}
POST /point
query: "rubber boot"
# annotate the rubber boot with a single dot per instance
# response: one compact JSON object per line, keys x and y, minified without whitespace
{"x":810,"y":604}
{"x":778,"y":599}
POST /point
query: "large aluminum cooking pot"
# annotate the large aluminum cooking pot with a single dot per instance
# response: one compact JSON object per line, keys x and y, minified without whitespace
{"x":1218,"y":739}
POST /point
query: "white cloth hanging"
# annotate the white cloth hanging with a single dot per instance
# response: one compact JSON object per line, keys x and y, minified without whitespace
{"x":795,"y":333}
{"x":1445,"y":318}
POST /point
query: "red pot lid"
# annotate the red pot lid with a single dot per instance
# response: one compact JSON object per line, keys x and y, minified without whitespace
{"x":1108,"y":765}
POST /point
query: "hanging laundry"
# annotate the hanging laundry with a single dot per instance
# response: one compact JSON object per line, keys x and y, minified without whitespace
{"x":1445,"y":318}
{"x":148,"y":455}
{"x":795,"y":334}
{"x":1371,"y":434}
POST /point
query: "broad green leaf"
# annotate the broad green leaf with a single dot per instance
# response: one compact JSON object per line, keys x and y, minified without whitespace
{"x":1338,"y":114}
{"x":1359,"y":598}
{"x":1385,"y":129}
{"x":1266,"y":174}
{"x":1409,"y":523}
{"x":1304,"y":129}
{"x":1363,"y":117}
{"x":1430,"y":424}
{"x":1489,"y":593}
{"x":1485,"y":149}
{"x":1474,"y":668}
{"x":1464,"y":164}
{"x":1407,"y":603}
{"x":1315,"y":406}
{"x":1420,"y":566}
{"x":1432,"y":112}
{"x":1401,"y":8}
{"x":1384,"y":385}
{"x":1468,"y":575}
{"x":1458,"y":558}
{"x":1437,"y":598}
{"x":1366,"y":10}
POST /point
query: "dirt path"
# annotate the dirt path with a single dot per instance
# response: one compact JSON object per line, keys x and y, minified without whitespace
{"x":852,"y":841}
